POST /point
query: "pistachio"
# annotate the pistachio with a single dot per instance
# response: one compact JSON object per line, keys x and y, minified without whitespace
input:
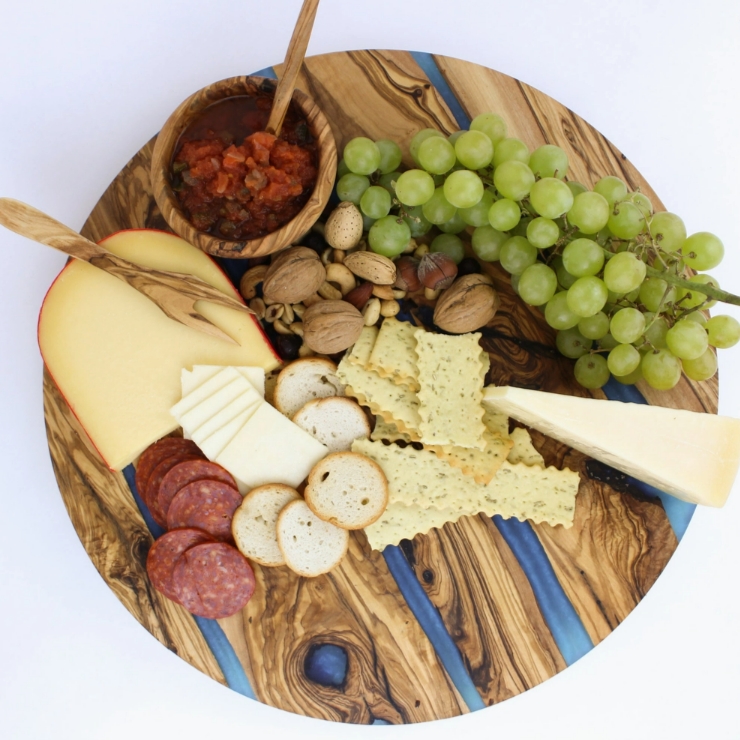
{"x":331,"y":326}
{"x":343,"y":229}
{"x":468,"y":304}
{"x":371,"y":314}
{"x":250,"y":280}
{"x":293,"y":275}
{"x":371,"y":266}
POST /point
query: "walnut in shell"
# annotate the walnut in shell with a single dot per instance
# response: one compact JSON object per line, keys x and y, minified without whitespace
{"x":293,"y":276}
{"x":468,"y":304}
{"x":371,"y":266}
{"x":331,"y":326}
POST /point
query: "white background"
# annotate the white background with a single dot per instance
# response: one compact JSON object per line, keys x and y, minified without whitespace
{"x":84,"y":85}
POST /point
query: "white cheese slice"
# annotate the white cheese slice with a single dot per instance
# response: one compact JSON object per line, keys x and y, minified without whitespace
{"x":216,"y":402}
{"x":222,"y":417}
{"x":191,"y":379}
{"x":270,"y":448}
{"x":214,"y":444}
{"x":692,"y":456}
{"x":201,"y":393}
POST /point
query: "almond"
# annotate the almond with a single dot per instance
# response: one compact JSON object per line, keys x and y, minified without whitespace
{"x":371,"y":266}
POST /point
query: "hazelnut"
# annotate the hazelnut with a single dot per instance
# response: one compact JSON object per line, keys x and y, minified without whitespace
{"x":294,"y":275}
{"x":437,"y":271}
{"x":407,"y":276}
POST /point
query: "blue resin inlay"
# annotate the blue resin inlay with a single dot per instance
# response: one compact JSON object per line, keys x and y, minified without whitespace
{"x":567,"y":629}
{"x":431,"y":70}
{"x":432,"y":624}
{"x":326,"y":665}
{"x":129,"y":473}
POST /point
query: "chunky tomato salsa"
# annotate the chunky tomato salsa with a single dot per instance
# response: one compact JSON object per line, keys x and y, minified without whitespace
{"x":236,"y":181}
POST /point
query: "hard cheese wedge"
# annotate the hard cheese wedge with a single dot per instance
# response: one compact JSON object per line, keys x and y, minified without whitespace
{"x":693,"y":456}
{"x":117,"y":358}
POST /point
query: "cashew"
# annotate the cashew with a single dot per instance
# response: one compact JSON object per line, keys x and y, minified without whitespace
{"x":250,"y":280}
{"x":326,"y":256}
{"x":297,"y":328}
{"x":280,"y":327}
{"x":399,"y":295}
{"x":258,"y":306}
{"x":315,"y":298}
{"x":328,"y":291}
{"x":298,"y":309}
{"x":389,"y":308}
{"x":274,"y":312}
{"x":288,"y":316}
{"x":384,"y":292}
{"x":342,"y":276}
{"x":421,"y":250}
{"x":371,"y":314}
{"x":431,"y":295}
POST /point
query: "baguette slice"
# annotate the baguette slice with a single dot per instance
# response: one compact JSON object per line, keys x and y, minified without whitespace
{"x":348,"y":490}
{"x":309,"y":545}
{"x":255,"y":522}
{"x":303,"y":381}
{"x":335,"y":422}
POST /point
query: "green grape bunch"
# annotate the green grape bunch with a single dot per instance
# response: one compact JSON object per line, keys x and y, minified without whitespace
{"x":625,"y":288}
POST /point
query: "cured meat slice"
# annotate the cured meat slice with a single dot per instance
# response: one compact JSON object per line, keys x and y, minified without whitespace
{"x":213,"y":580}
{"x":189,"y":472}
{"x":206,"y":504}
{"x":155,"y":480}
{"x":154,"y":454}
{"x":164,"y":553}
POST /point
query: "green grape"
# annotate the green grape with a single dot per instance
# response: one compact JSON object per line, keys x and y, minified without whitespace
{"x":362,"y":155}
{"x":537,"y":284}
{"x":557,"y":313}
{"x":491,"y":124}
{"x":624,"y":272}
{"x":390,"y":155}
{"x":724,"y":331}
{"x":661,"y":369}
{"x":623,"y":360}
{"x":702,"y":368}
{"x":612,"y":188}
{"x":463,"y":189}
{"x":696,"y":316}
{"x":375,"y":202}
{"x":521,"y":228}
{"x":455,"y":135}
{"x":687,"y":340}
{"x":587,"y":296}
{"x":668,"y":230}
{"x":351,"y":187}
{"x":594,"y":327}
{"x":389,"y":236}
{"x":419,"y":138}
{"x":542,"y":232}
{"x":487,"y":242}
{"x":504,"y":214}
{"x":631,"y":378}
{"x":454,"y":226}
{"x":386,"y":181}
{"x":478,"y":214}
{"x":633,"y":295}
{"x":572,"y":344}
{"x":438,"y":209}
{"x":703,"y":251}
{"x":626,"y":221}
{"x":450,"y":245}
{"x":608,"y":342}
{"x":342,"y":169}
{"x":591,"y":371}
{"x":583,"y":257}
{"x":517,"y":254}
{"x":510,"y":149}
{"x":474,"y":150}
{"x":515,"y":283}
{"x":693,"y":298}
{"x":551,"y":197}
{"x":414,"y":187}
{"x":652,"y":292}
{"x":513,"y":180}
{"x":436,"y":155}
{"x":367,"y":222}
{"x":549,"y":161}
{"x":564,"y":277}
{"x":417,"y":222}
{"x":643,"y":203}
{"x":627,"y":325}
{"x":589,"y":212}
{"x":576,"y":188}
{"x":655,"y":331}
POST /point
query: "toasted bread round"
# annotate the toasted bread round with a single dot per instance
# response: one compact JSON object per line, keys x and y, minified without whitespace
{"x":309,"y":545}
{"x":303,"y":381}
{"x":347,"y":489}
{"x":336,"y":422}
{"x":255,"y":521}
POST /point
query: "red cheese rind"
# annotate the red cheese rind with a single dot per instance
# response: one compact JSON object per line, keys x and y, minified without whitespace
{"x":189,"y":472}
{"x":155,"y":480}
{"x":213,"y":580}
{"x":155,"y":454}
{"x":205,"y":504}
{"x":164,"y":553}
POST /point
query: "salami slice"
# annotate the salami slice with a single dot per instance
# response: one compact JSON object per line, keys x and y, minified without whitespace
{"x":213,"y":580}
{"x":154,"y":454}
{"x":164,"y":553}
{"x":189,"y":472}
{"x":205,"y":504}
{"x":155,"y":480}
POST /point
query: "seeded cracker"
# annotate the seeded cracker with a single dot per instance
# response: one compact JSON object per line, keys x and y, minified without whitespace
{"x":394,"y":354}
{"x":399,"y":522}
{"x":523,"y":450}
{"x":395,"y":403}
{"x":481,"y":464}
{"x":496,"y":422}
{"x":451,"y":372}
{"x":389,"y":431}
{"x":363,"y":347}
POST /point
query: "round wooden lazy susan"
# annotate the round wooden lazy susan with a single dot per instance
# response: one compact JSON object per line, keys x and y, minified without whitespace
{"x":465,"y":616}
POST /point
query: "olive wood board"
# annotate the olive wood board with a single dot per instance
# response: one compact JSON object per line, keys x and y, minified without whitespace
{"x":473,"y":574}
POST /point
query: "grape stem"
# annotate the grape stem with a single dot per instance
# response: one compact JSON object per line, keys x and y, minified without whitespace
{"x":707,"y":290}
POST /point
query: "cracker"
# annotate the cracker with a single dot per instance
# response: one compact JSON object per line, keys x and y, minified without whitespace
{"x":451,"y":372}
{"x":496,"y":422}
{"x":481,"y":464}
{"x":388,"y":431}
{"x":523,"y":450}
{"x":363,"y":347}
{"x":400,"y":522}
{"x":394,"y":354}
{"x":396,"y":404}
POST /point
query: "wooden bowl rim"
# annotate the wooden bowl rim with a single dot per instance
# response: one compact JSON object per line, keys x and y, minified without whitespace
{"x":180,"y":118}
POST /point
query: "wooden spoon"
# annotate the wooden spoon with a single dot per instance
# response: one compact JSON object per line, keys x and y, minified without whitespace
{"x":174,"y":292}
{"x":291,"y":68}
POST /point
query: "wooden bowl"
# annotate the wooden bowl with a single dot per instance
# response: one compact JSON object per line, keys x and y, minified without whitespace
{"x":164,"y":149}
